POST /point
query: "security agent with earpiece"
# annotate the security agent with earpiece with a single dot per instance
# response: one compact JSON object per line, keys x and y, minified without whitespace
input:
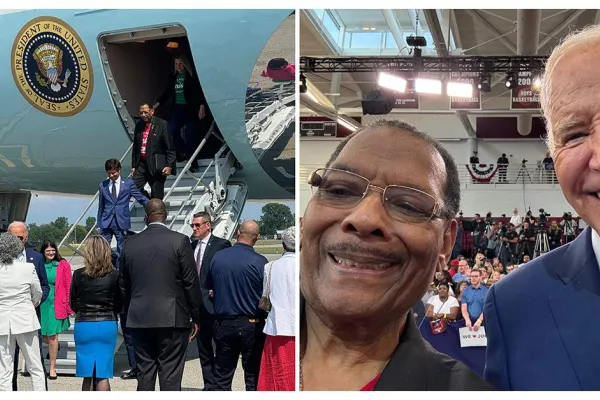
{"x":161,"y":296}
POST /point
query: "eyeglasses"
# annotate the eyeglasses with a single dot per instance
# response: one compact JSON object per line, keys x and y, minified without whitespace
{"x":342,"y":189}
{"x":21,"y":238}
{"x":197,"y":225}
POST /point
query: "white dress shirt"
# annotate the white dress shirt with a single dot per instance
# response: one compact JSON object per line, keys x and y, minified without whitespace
{"x":282,"y":317}
{"x":596,"y":245}
{"x":516,"y":220}
{"x":201,"y":247}
{"x":118,"y":183}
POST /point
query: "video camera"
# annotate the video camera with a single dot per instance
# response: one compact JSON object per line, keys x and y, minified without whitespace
{"x":524,"y":161}
{"x":543,"y":219}
{"x":567,"y":216}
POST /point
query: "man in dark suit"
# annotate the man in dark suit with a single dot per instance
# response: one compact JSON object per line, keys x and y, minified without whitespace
{"x":19,"y":229}
{"x":541,"y":320}
{"x":153,"y":153}
{"x":113,"y":203}
{"x":205,"y":246}
{"x":161,"y":288}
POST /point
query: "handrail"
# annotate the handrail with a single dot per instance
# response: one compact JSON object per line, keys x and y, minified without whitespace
{"x":189,"y":163}
{"x":74,"y":225}
{"x":190,"y":194}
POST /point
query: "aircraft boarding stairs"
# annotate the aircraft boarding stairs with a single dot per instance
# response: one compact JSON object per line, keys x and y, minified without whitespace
{"x":209,"y":189}
{"x":268,"y":113}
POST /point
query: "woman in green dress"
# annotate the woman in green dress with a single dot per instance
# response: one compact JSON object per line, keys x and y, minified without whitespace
{"x":55,"y":309}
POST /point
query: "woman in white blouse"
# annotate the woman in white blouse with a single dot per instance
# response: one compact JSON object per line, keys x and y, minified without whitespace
{"x":278,"y":363}
{"x":442,"y":305}
{"x":20,"y":292}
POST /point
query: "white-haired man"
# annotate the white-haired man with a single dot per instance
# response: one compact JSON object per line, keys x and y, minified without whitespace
{"x":541,"y":320}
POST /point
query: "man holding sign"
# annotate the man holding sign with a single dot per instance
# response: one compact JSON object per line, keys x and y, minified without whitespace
{"x":472,"y":302}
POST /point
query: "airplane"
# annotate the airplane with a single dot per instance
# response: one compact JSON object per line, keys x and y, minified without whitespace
{"x":72,"y":84}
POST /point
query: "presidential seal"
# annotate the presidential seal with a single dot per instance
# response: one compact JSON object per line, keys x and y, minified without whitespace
{"x":52,"y":68}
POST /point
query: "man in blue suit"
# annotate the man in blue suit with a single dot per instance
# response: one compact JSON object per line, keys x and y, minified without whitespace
{"x":113,"y":203}
{"x":541,"y":320}
{"x":19,"y":229}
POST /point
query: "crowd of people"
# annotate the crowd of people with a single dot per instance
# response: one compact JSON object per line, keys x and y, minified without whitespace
{"x":165,"y":288}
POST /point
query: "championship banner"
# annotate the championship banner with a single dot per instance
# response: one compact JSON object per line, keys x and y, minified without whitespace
{"x":523,"y":97}
{"x":466,"y":103}
{"x":408,"y":99}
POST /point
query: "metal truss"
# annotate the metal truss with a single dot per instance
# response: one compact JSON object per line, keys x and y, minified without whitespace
{"x":481,"y":64}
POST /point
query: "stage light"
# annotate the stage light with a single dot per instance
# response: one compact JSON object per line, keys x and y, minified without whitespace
{"x":536,"y":82}
{"x":430,"y":86}
{"x":485,"y":83}
{"x":392,"y":82}
{"x":459,"y":89}
{"x":510,"y":81}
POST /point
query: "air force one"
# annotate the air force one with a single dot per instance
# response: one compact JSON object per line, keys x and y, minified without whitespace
{"x":72,"y":82}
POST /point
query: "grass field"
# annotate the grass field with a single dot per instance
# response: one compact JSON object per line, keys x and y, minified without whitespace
{"x":65,"y":251}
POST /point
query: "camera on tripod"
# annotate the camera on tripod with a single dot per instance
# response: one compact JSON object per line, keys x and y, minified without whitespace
{"x":567,"y":216}
{"x":524,"y":162}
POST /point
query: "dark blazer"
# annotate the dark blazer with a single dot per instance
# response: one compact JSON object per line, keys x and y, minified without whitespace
{"x":541,"y":322}
{"x":108,"y":207}
{"x":214,"y":244}
{"x":192,"y":91}
{"x":159,"y":280}
{"x":37,"y":259}
{"x":160,"y":143}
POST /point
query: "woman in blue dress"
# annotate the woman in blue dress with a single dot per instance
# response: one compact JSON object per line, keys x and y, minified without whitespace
{"x":96,"y":300}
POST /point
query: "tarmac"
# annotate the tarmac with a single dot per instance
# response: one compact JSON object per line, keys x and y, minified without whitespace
{"x":192,"y":376}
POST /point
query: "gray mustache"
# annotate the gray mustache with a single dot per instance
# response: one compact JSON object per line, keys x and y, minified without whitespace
{"x":346,"y":247}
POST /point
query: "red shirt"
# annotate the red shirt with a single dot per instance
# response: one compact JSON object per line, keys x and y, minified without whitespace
{"x":145,"y":135}
{"x":371,"y":385}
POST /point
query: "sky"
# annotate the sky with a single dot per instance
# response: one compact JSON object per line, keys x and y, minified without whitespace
{"x":46,"y":208}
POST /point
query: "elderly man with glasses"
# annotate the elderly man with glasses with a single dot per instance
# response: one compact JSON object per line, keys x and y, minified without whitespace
{"x":379,"y":224}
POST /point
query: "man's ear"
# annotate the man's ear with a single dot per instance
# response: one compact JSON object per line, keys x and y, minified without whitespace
{"x":448,"y":241}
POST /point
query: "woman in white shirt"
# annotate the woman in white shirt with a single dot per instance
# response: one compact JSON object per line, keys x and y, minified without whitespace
{"x":442,"y":305}
{"x":278,"y":363}
{"x":20,"y":292}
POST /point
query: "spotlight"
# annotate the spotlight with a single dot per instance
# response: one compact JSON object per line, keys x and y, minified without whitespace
{"x":536,"y":81}
{"x":485,"y":83}
{"x":511,"y":80}
{"x":392,"y":82}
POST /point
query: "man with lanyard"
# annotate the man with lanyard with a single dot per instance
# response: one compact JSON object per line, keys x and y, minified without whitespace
{"x":153,"y":154}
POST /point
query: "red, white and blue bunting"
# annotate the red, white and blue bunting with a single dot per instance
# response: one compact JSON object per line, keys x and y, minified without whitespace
{"x":483,"y":173}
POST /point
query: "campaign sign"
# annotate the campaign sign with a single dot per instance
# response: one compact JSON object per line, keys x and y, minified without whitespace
{"x":469,"y":338}
{"x":466,"y":103}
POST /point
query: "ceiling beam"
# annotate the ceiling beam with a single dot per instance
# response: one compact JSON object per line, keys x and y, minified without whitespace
{"x":495,"y":31}
{"x":433,"y":22}
{"x":455,"y":30}
{"x":392,"y":22}
{"x":562,"y":26}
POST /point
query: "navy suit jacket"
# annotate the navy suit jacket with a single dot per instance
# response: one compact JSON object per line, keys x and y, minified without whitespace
{"x":36,"y":258}
{"x":542,"y":322}
{"x":108,"y":207}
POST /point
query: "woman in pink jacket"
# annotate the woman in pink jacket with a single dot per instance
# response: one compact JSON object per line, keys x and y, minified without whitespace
{"x":55,"y":309}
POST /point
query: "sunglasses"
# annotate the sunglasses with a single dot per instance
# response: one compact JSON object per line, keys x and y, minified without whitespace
{"x":197,"y":225}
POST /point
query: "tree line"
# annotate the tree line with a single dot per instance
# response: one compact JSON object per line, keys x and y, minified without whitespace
{"x":275,"y":217}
